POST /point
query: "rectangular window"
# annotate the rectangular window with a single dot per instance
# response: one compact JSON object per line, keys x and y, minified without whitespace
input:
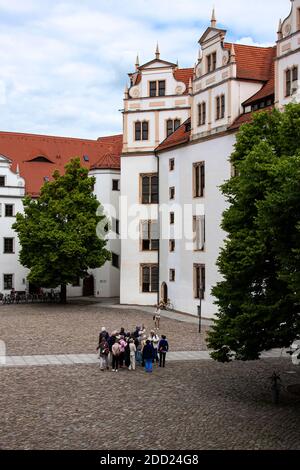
{"x":199,"y":281}
{"x":172,"y":126}
{"x":172,"y":218}
{"x":201,"y":114}
{"x":199,"y":232}
{"x":212,"y":62}
{"x":171,"y":164}
{"x":149,"y":189}
{"x":162,"y":88}
{"x":8,"y":281}
{"x":2,"y":181}
{"x":117,"y":227}
{"x":138,"y":130}
{"x":115,"y":260}
{"x":294,"y":80}
{"x":145,"y":130}
{"x":288,"y":81}
{"x":220,"y":107}
{"x":149,"y":278}
{"x":172,"y":246}
{"x":116,"y":185}
{"x":9,"y":210}
{"x":8,"y":245}
{"x":149,"y":235}
{"x":172,"y":193}
{"x":153,"y":88}
{"x":172,"y":275}
{"x":199,"y":179}
{"x":141,"y":130}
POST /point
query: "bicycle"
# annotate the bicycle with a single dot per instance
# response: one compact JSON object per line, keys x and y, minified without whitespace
{"x":166,"y":305}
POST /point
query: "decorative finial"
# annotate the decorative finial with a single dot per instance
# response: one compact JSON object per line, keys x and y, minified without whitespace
{"x":126,"y":94}
{"x":157,"y":53}
{"x":232,"y":55}
{"x":279,"y":32}
{"x":18,"y":169}
{"x":137,"y":62}
{"x":213,"y":19}
{"x":190,"y":86}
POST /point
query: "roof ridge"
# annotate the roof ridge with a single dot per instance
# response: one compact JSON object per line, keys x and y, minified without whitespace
{"x":45,"y":136}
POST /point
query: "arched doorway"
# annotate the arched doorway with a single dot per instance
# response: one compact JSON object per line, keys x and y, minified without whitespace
{"x":88,"y":286}
{"x":164,"y":292}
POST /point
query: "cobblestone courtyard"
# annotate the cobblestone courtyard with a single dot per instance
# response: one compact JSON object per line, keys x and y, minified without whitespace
{"x":188,"y":405}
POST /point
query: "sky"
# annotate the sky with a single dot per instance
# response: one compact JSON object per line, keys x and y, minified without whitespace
{"x":64,"y":63}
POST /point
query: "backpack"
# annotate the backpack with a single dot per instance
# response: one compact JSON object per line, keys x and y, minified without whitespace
{"x":105,"y":350}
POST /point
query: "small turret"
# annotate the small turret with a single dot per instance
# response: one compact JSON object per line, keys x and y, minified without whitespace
{"x":232,"y":55}
{"x":279,"y":32}
{"x":157,"y":53}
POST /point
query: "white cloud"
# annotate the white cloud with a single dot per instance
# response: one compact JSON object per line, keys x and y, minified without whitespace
{"x":64,"y":63}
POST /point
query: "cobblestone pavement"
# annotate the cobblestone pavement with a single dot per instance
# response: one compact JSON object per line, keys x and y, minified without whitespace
{"x":188,"y":405}
{"x":39,"y":329}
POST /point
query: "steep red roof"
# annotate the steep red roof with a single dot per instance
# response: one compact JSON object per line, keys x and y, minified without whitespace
{"x":184,"y":75}
{"x":180,"y":136}
{"x":253,"y":63}
{"x":247,"y":117}
{"x":57,"y":152}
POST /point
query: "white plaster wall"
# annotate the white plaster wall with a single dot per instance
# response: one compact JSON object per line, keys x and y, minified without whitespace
{"x":132,"y":212}
{"x":215,"y":153}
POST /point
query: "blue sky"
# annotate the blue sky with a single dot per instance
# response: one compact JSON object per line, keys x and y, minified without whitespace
{"x":64,"y":63}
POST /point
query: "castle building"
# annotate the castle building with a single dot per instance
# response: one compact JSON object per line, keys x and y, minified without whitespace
{"x":162,"y":176}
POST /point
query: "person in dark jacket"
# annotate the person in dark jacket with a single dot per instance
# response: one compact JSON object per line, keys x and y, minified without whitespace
{"x":163,"y":348}
{"x":148,"y":356}
{"x":103,"y":335}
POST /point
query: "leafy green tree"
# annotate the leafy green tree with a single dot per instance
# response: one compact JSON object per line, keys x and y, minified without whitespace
{"x":259,"y":296}
{"x":57,"y":231}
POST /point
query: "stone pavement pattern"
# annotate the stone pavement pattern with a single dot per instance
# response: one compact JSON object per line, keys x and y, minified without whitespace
{"x":41,"y":329}
{"x":188,"y":405}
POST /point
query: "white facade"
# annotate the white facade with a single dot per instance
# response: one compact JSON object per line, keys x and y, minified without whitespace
{"x":12,"y":274}
{"x":217,"y":74}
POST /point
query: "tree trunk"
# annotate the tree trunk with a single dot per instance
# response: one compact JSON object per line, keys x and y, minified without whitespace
{"x":63,"y":294}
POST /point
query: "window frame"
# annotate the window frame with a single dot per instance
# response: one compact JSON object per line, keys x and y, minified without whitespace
{"x":172,"y":275}
{"x":172,"y":193}
{"x":171,"y":164}
{"x":5,"y":210}
{"x":115,"y":257}
{"x":152,"y":195}
{"x":150,"y":266}
{"x":172,"y":245}
{"x":199,"y":192}
{"x":201,"y":269}
{"x":114,"y":181}
{"x":153,"y":242}
{"x":2,"y":178}
{"x":202,"y":113}
{"x":12,"y":281}
{"x":12,"y":240}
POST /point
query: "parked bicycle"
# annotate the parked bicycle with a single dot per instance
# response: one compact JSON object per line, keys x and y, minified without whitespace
{"x":166,"y":305}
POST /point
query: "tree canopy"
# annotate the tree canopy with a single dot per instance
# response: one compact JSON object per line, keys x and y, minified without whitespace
{"x":57,"y":231}
{"x":259,"y":296}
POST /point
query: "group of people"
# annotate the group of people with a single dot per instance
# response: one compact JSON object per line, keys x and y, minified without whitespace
{"x":124,"y":349}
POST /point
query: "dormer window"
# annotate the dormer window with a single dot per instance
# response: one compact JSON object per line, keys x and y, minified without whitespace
{"x":211,"y":62}
{"x":86,"y":158}
{"x":157,"y":88}
{"x":2,"y":181}
{"x":40,"y":159}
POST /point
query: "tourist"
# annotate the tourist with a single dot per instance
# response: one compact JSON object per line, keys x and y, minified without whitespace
{"x":127,"y":351}
{"x":154,"y":338}
{"x":132,"y":349}
{"x":103,"y":334}
{"x":123,"y":345}
{"x":163,"y":348}
{"x":139,"y":347}
{"x":156,"y":317}
{"x":148,"y":356}
{"x":115,"y":356}
{"x":104,"y":352}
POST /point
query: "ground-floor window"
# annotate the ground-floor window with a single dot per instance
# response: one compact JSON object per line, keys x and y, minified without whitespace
{"x":149,"y":278}
{"x":8,"y":281}
{"x":115,"y":260}
{"x":199,"y":281}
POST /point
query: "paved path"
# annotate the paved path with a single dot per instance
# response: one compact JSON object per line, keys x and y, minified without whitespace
{"x":72,"y":359}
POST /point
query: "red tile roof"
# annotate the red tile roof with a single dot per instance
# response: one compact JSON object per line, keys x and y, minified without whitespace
{"x":184,"y":75}
{"x":179,"y":137}
{"x":253,"y":63}
{"x":20,"y":148}
{"x":247,"y":117}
